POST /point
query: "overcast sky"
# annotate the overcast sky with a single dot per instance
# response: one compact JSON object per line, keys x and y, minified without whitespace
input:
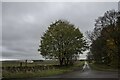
{"x":23,"y":23}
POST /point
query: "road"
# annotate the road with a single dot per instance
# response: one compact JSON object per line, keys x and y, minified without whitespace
{"x":87,"y":72}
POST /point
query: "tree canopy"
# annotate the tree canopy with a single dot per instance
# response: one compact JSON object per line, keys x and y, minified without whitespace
{"x":105,"y":38}
{"x":62,"y":41}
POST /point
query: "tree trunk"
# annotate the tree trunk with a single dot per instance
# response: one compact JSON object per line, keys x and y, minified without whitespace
{"x":67,"y":60}
{"x":61,"y":62}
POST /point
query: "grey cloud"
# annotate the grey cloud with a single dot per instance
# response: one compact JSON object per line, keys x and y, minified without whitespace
{"x":24,"y":23}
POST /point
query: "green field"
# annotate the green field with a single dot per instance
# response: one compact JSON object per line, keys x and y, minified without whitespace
{"x":15,"y":63}
{"x":39,"y":73}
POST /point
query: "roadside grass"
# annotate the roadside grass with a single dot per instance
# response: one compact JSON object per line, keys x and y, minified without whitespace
{"x":78,"y":65}
{"x":44,"y":73}
{"x":102,"y":67}
{"x":33,"y":74}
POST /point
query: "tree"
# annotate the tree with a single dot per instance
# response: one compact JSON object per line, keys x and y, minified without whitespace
{"x":109,"y":18}
{"x":62,"y":41}
{"x":105,"y":38}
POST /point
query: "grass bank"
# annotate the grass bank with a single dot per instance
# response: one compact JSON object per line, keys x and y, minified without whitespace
{"x":102,"y":67}
{"x":33,"y":74}
{"x":43,"y":73}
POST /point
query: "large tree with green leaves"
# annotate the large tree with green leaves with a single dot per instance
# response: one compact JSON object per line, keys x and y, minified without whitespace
{"x":62,"y":41}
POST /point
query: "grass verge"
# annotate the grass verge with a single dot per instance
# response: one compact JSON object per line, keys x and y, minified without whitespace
{"x":33,"y":74}
{"x":102,"y":67}
{"x":44,"y":73}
